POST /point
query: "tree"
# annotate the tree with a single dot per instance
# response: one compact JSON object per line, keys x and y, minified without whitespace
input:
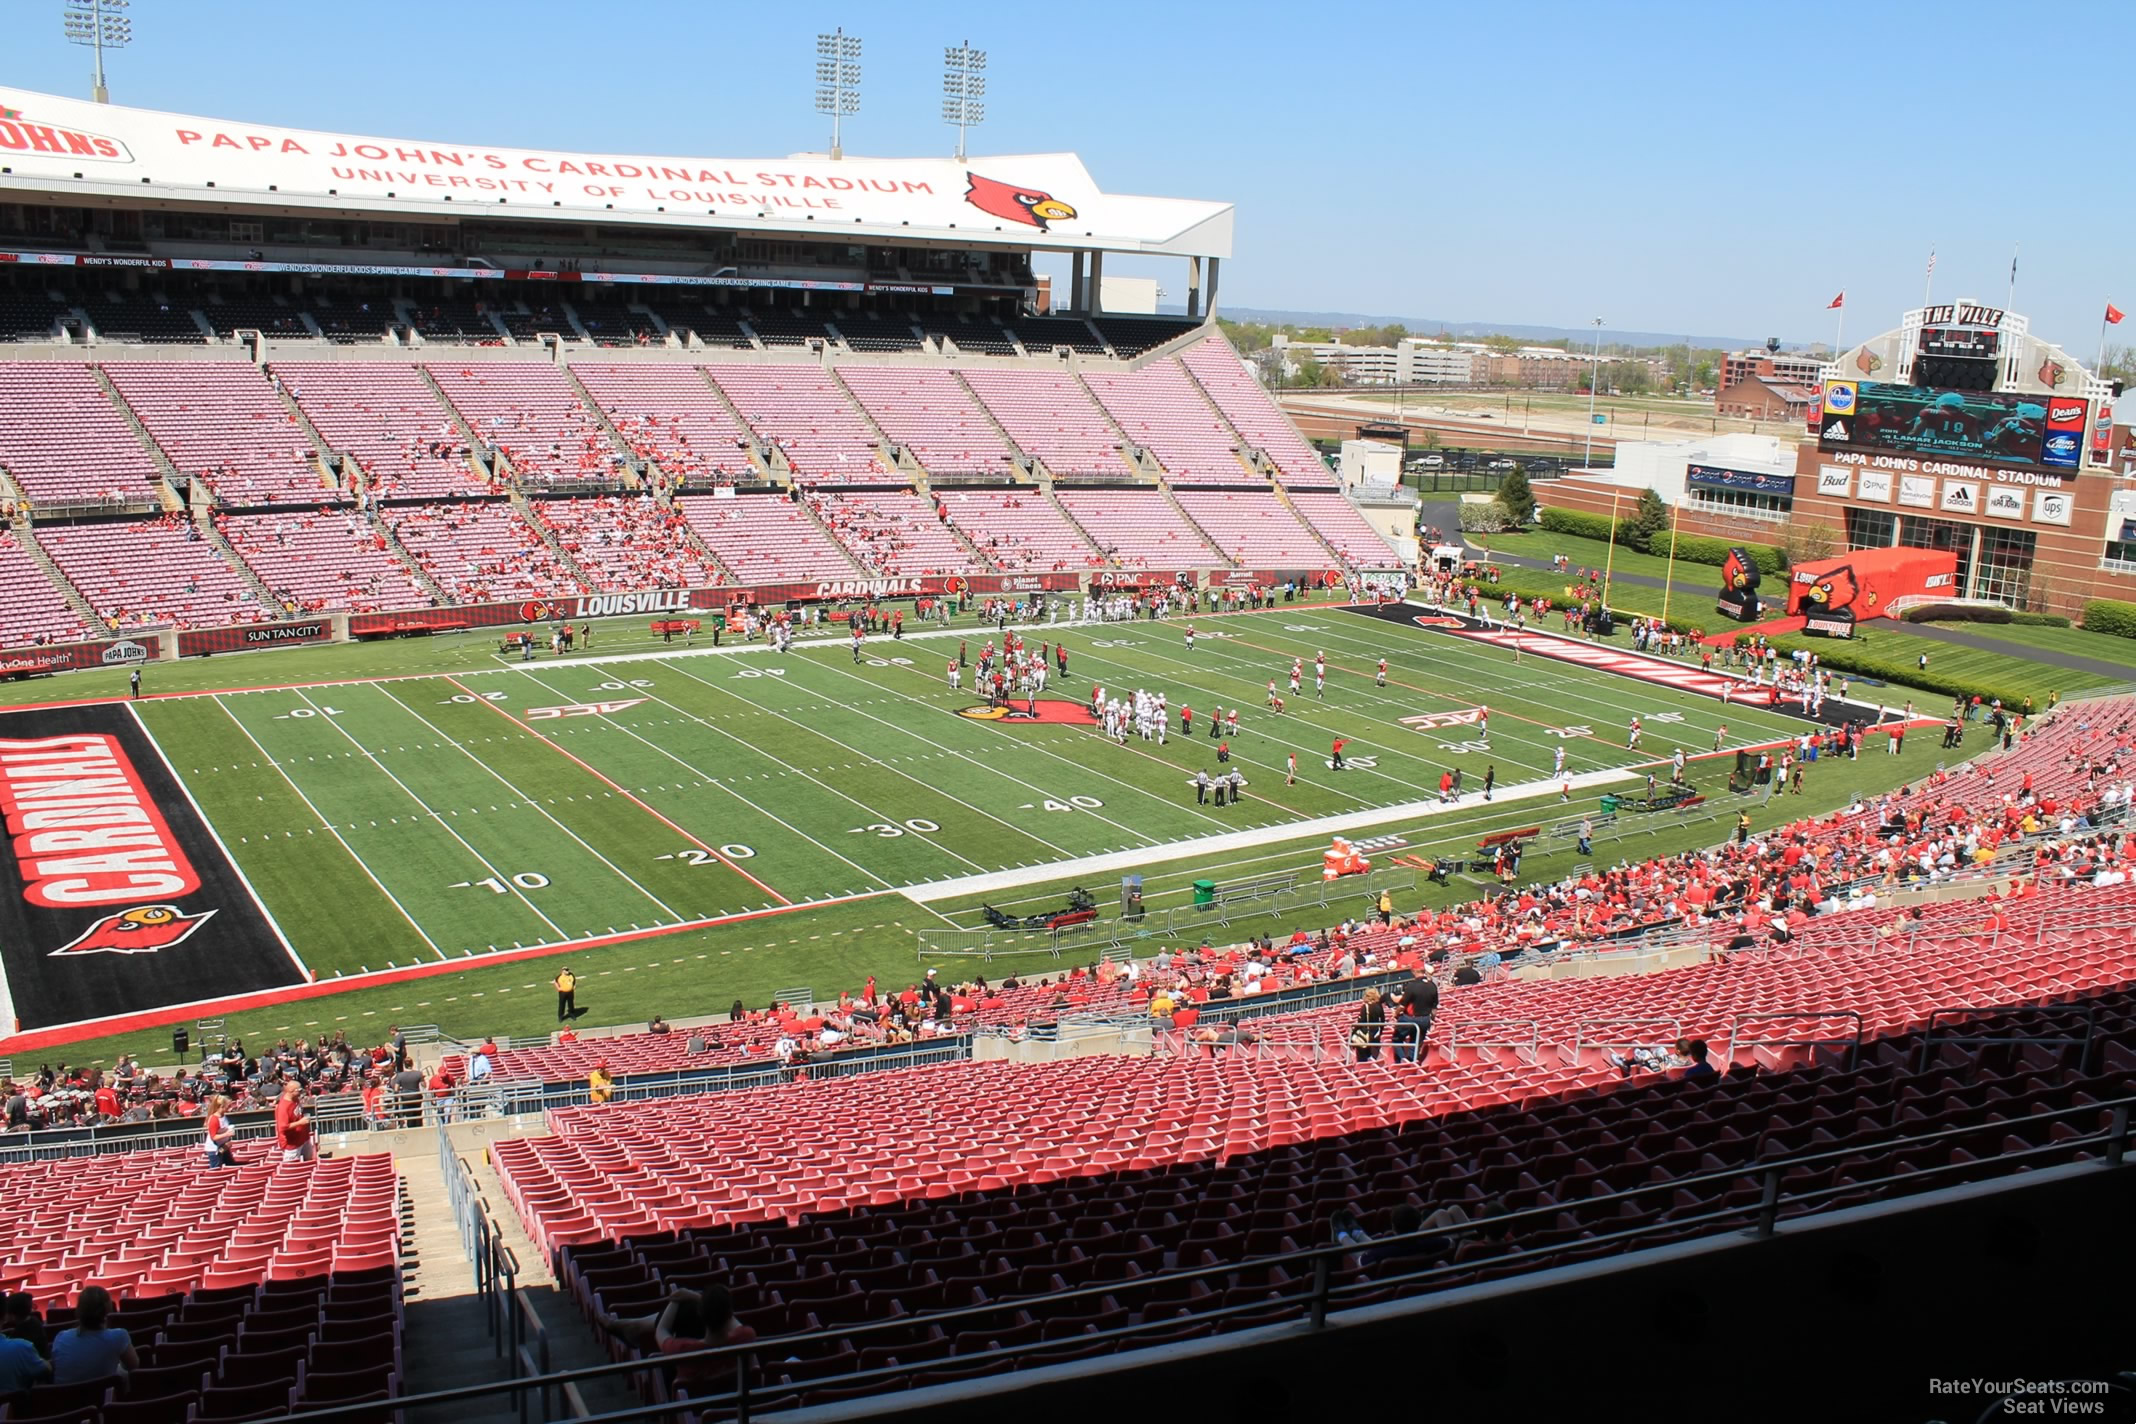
{"x":1805,"y":542}
{"x":1516,"y":497}
{"x":2120,"y":364}
{"x":1650,"y":519}
{"x":1501,"y":345}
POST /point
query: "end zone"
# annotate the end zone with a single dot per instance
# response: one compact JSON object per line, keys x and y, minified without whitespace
{"x":115,"y":896}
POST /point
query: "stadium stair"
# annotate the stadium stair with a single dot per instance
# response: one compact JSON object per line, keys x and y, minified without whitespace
{"x":809,"y":513}
{"x":525,"y":509}
{"x":169,"y":493}
{"x":994,"y":423}
{"x":91,"y":619}
{"x":459,"y":422}
{"x":615,"y":436}
{"x":215,"y":539}
{"x":1145,"y":464}
{"x":1283,"y":498}
{"x":766,"y":460}
{"x":1190,"y":522}
{"x":407,"y":560}
{"x":907,"y":463}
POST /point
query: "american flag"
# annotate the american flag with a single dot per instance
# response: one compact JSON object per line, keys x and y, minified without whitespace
{"x":1932,"y":262}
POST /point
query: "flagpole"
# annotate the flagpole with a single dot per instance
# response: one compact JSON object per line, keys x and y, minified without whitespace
{"x":1839,"y":326}
{"x":1929,"y":286}
{"x":2100,"y":364}
{"x":2012,"y":302}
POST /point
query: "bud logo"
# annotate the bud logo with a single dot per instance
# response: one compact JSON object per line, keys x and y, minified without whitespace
{"x":86,"y":832}
{"x":581,"y":709}
{"x":1433,"y":721}
{"x":141,"y":930}
{"x":20,"y":135}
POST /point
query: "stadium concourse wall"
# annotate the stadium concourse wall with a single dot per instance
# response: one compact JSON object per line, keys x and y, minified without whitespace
{"x":167,"y":644}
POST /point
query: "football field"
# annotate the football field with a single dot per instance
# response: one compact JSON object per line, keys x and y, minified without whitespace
{"x":507,"y":810}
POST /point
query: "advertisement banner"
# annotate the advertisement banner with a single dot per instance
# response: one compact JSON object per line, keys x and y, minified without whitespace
{"x":1836,"y":481}
{"x":248,"y":638}
{"x":2005,"y":502}
{"x":1917,"y":491}
{"x":1982,"y":425}
{"x":1875,"y":485}
{"x":70,"y":657}
{"x":1960,"y":497}
{"x":2063,"y":447}
{"x":2052,"y":507}
{"x":51,"y":138}
{"x":1755,"y":481}
{"x":2102,"y":436}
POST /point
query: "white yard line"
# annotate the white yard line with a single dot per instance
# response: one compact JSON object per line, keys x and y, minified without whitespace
{"x":1343,"y":824}
{"x":756,"y":706}
{"x":532,"y":804}
{"x":1029,"y":746}
{"x":994,"y":771}
{"x":501,"y":877}
{"x":331,"y":829}
{"x":709,"y":780}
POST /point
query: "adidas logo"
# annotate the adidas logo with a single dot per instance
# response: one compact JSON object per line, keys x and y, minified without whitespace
{"x":1835,"y":430}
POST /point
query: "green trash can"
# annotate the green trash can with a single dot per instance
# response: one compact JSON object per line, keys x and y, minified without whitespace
{"x":1205,"y":892}
{"x":1609,"y":805}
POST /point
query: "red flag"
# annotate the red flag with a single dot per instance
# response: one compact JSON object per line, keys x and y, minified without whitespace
{"x":2114,"y":314}
{"x":1837,"y":302}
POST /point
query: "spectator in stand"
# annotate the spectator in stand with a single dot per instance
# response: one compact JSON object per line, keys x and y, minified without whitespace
{"x":19,"y":1320}
{"x":293,"y":1125}
{"x":93,"y":1348}
{"x":1408,"y":1031}
{"x":1700,"y":1070}
{"x":1365,"y":1035}
{"x":20,"y":1368}
{"x":600,"y":1083}
{"x":218,"y":1134}
{"x":692,"y":1320}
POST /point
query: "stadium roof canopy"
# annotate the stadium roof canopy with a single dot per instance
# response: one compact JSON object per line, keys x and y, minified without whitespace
{"x":100,"y":154}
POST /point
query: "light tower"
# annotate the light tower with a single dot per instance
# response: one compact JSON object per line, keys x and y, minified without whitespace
{"x":837,"y":80}
{"x":963,"y":89}
{"x":101,"y":25}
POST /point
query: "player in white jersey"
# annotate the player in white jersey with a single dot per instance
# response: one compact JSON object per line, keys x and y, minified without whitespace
{"x":1557,"y":763}
{"x":1381,"y":679}
{"x":956,"y":676}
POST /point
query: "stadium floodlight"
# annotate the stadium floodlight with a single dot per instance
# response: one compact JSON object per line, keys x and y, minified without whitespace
{"x":101,"y":25}
{"x":837,"y":80}
{"x":1594,"y":378}
{"x":963,"y":89}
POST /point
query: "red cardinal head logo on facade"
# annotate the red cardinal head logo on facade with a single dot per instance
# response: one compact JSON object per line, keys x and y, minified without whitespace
{"x":1032,"y":206}
{"x":141,"y":930}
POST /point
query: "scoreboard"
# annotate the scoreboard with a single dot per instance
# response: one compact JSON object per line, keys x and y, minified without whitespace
{"x":1964,"y":343}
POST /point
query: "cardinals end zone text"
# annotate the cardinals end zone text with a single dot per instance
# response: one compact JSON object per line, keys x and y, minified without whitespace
{"x":84,"y":831}
{"x":115,"y":898}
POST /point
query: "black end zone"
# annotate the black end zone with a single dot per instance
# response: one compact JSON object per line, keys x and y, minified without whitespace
{"x":114,"y":898}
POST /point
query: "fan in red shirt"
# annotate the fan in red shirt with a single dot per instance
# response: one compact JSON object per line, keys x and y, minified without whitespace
{"x":292,"y":1127}
{"x":1335,"y":753}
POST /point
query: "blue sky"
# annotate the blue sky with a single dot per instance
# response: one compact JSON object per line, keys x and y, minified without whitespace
{"x":1700,"y":168}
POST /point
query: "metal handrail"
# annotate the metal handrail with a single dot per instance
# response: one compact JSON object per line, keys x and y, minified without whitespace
{"x":1852,"y":1042}
{"x":1932,"y":1038}
{"x":1762,"y":1217}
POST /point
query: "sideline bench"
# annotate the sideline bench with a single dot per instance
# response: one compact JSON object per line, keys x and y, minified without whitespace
{"x":1569,"y":830}
{"x":1258,"y":887}
{"x":417,"y":628}
{"x":1508,"y":838}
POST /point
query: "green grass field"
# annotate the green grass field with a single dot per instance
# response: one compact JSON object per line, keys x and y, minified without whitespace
{"x":822,"y":813}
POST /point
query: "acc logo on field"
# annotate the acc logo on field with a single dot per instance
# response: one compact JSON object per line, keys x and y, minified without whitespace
{"x":1839,"y":398}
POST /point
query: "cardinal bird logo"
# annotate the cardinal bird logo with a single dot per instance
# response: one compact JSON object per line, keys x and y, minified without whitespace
{"x":2052,"y":373}
{"x":1836,"y":590}
{"x":1739,"y":572}
{"x":141,"y":930}
{"x":1031,"y":206}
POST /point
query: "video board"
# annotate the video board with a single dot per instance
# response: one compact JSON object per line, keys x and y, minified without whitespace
{"x":1977,"y":425}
